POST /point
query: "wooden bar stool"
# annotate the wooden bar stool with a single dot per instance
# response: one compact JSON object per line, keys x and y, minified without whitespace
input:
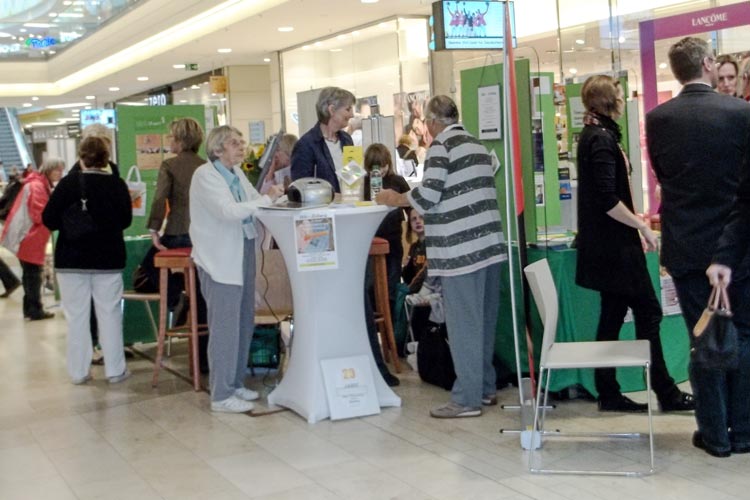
{"x":178,"y":258}
{"x":378,"y":250}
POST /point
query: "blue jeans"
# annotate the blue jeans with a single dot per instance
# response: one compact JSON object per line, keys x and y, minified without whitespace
{"x":722,"y":397}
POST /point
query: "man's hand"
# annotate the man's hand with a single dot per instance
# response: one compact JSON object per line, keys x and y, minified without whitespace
{"x":719,"y":275}
{"x":391,"y":198}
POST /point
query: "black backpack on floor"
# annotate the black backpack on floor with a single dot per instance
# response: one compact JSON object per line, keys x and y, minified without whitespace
{"x":434,"y":357}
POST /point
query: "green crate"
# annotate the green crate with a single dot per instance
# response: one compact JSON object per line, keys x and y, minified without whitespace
{"x":264,"y":348}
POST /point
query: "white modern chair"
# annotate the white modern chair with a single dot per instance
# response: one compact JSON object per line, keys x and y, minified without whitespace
{"x":574,"y":355}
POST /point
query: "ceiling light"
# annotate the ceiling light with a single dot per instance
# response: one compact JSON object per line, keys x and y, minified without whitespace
{"x":182,"y":101}
{"x":67,"y":2}
{"x":70,"y":14}
{"x":580,"y":42}
{"x":573,"y":71}
{"x":5,"y":35}
{"x":355,"y":33}
{"x":142,"y":78}
{"x":336,"y":50}
{"x":27,"y":105}
{"x":90,"y":97}
{"x":197,"y":87}
{"x":22,"y":30}
{"x":69,"y":105}
{"x":114,"y":89}
{"x":266,"y":59}
{"x":285,"y":29}
{"x":318,"y":44}
{"x":53,"y":52}
{"x":621,"y":39}
{"x":87,"y":107}
{"x":305,"y":47}
{"x":341,"y":37}
{"x":223,"y":51}
{"x":43,"y":124}
{"x":39,"y":25}
{"x":34,"y":98}
{"x":52,"y":14}
{"x":663,"y":66}
{"x":369,"y":1}
{"x":178,"y":66}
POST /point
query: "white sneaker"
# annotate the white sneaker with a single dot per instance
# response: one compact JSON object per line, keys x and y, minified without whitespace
{"x":232,"y":404}
{"x":82,"y":380}
{"x":119,"y":378}
{"x":246,"y":394}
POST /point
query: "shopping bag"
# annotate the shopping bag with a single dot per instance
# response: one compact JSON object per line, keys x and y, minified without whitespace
{"x":137,"y":189}
{"x":715,"y":343}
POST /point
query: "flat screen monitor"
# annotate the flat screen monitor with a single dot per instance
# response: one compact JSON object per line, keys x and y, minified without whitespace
{"x":105,"y":117}
{"x":471,"y":25}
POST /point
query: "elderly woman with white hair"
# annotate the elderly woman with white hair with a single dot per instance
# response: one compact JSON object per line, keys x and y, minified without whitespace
{"x":319,"y":153}
{"x":222,"y":229}
{"x":26,"y":236}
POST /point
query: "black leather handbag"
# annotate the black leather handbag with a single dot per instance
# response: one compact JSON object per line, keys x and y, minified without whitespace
{"x":715,"y":342}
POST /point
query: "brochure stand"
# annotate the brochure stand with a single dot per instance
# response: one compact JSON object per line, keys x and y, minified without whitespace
{"x":329,"y":313}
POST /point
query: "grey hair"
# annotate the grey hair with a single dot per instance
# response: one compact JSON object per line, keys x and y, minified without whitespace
{"x":286,"y":143}
{"x":216,"y":139}
{"x":97,"y":130}
{"x":335,"y":96}
{"x":441,"y":108}
{"x":50,"y":164}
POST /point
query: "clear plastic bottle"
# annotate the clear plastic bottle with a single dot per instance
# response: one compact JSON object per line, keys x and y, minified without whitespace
{"x":376,"y":182}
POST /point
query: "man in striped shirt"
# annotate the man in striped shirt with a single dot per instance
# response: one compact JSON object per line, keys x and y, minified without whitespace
{"x":465,"y":246}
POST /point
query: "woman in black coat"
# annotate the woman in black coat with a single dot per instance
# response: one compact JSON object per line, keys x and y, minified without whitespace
{"x":610,"y":252}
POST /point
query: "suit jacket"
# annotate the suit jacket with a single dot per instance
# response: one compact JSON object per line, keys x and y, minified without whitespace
{"x":311,"y":158}
{"x":734,"y":241}
{"x":696,"y":142}
{"x":610,"y":256}
{"x":173,"y":186}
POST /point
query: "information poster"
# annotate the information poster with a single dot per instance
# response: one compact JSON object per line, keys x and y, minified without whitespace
{"x":315,"y":240}
{"x":490,"y":112}
{"x":350,"y":387}
{"x":670,"y":304}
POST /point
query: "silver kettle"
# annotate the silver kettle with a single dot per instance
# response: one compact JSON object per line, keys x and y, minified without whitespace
{"x":310,"y":191}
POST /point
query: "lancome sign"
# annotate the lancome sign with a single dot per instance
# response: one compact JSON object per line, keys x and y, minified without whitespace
{"x":710,"y":20}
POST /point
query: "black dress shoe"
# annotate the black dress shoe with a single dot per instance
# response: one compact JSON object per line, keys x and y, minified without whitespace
{"x":390,"y":379}
{"x":682,"y":401}
{"x":741,"y":448}
{"x":41,"y":316}
{"x":698,"y":443}
{"x":622,"y":404}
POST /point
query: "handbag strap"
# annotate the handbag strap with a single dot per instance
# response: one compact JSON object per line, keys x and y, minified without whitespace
{"x":719,"y":299}
{"x":724,"y":302}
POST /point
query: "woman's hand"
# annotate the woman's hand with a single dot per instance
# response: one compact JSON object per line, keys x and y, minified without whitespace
{"x":719,"y":274}
{"x":156,"y":240}
{"x":275,"y":192}
{"x":649,"y":238}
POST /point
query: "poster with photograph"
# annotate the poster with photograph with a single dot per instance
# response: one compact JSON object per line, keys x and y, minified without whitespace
{"x":166,"y":147}
{"x":315,"y":240}
{"x":539,"y":190}
{"x":148,"y":151}
{"x":408,"y":118}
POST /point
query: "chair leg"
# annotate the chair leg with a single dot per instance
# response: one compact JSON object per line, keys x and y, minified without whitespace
{"x":162,"y":324}
{"x":384,"y":308}
{"x":193,"y":330}
{"x":538,"y":424}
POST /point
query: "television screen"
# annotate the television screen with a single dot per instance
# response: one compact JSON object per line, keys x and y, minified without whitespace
{"x":471,"y":25}
{"x":104,"y":116}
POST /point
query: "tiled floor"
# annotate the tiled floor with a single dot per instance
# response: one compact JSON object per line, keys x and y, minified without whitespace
{"x":60,"y":441}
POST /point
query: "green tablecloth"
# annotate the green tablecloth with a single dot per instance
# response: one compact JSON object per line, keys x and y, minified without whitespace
{"x":136,"y":327}
{"x":579,"y":315}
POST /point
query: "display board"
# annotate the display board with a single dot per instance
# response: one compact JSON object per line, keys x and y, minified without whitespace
{"x":471,"y":81}
{"x":142,"y":139}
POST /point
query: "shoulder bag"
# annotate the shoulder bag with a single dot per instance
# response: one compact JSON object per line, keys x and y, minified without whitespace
{"x":715,"y":342}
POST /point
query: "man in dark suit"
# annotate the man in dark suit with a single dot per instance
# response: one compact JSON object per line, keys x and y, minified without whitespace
{"x":696,"y":142}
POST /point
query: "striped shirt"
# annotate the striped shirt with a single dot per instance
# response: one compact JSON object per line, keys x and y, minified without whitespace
{"x":459,"y":203}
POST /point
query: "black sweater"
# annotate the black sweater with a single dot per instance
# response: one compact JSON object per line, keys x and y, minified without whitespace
{"x":110,"y":207}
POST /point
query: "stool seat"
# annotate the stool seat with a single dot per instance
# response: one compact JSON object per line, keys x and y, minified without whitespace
{"x":164,"y":260}
{"x":379,"y":248}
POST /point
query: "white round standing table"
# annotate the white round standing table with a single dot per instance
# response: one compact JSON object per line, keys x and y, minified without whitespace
{"x":329,"y":312}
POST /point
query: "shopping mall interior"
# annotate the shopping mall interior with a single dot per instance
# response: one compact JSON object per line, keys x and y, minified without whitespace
{"x":135,"y":65}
